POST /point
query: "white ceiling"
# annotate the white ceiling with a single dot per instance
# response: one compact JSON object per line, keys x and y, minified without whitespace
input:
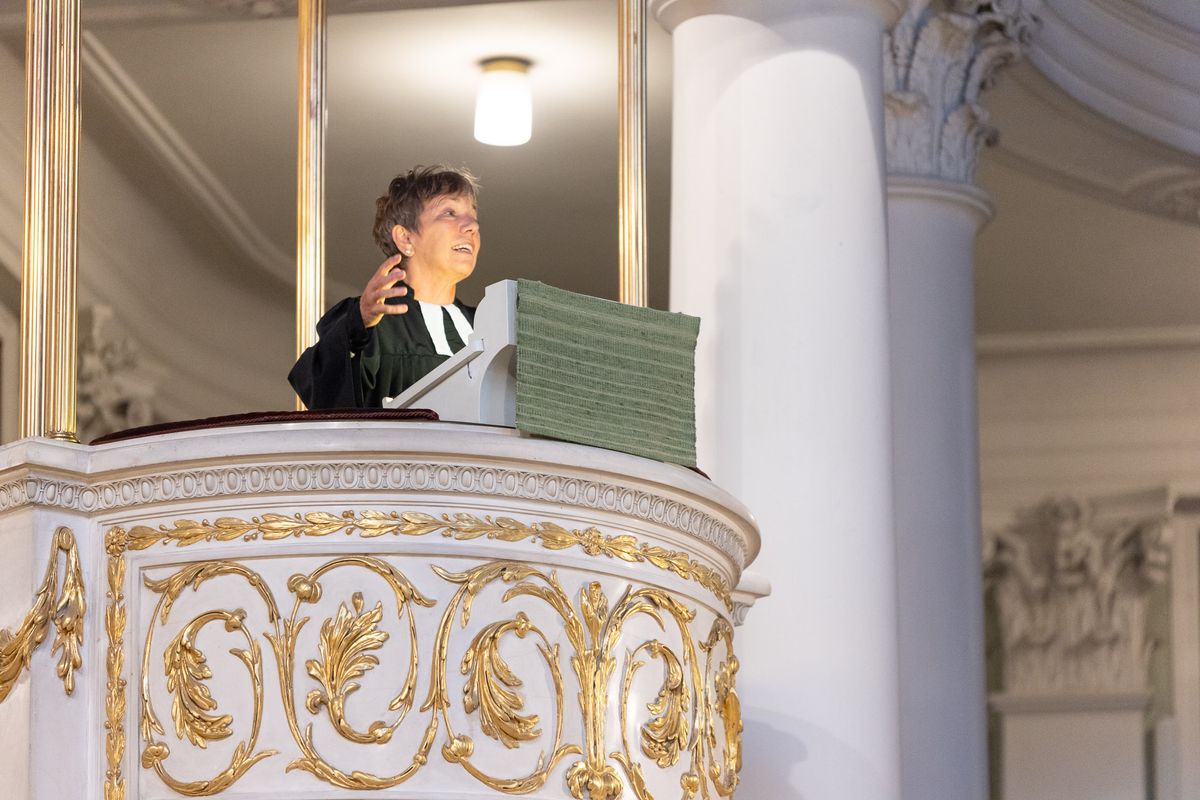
{"x":1096,"y":227}
{"x":1133,"y":61}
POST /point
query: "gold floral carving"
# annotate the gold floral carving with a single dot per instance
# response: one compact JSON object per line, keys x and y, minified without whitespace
{"x":114,"y":688}
{"x":461,"y":527}
{"x":186,"y":669}
{"x":665,"y":736}
{"x":697,"y":694}
{"x":344,"y":645}
{"x":63,"y":605}
{"x":725,"y":704}
{"x":491,"y":687}
{"x":345,"y":648}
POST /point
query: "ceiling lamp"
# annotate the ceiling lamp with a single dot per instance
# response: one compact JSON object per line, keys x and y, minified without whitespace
{"x":504,"y":107}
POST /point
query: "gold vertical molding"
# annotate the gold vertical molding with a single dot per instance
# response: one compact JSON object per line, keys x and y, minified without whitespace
{"x":115,"y":543}
{"x":48,"y":325}
{"x":310,"y":176}
{"x":631,"y":78}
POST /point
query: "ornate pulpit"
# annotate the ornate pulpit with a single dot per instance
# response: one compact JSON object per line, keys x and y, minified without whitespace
{"x":317,"y":609}
{"x":381,"y":604}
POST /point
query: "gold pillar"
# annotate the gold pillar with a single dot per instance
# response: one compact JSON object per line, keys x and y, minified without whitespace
{"x":48,"y":262}
{"x":632,"y":151}
{"x":310,"y":176}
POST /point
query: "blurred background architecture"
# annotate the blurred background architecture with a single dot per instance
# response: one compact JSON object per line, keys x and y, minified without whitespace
{"x":1043,"y":215}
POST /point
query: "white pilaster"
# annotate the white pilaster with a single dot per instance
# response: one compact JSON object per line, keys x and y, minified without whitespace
{"x":937,"y":60}
{"x":1183,"y":746}
{"x":779,"y":245}
{"x":1085,"y":746}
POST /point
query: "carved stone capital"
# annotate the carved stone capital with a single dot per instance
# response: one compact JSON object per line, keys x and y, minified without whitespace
{"x":937,"y":59}
{"x":1071,"y":592}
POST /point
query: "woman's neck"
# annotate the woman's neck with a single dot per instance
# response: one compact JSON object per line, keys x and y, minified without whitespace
{"x":428,"y":287}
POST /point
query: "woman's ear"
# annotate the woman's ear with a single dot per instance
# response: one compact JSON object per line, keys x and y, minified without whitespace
{"x":402,"y":239}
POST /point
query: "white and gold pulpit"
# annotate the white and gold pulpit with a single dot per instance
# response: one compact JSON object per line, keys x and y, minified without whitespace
{"x":331,"y":609}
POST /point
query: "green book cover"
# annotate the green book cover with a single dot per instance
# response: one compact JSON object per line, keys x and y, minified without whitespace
{"x":606,"y":374}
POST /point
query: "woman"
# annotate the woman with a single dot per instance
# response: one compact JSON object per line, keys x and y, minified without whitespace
{"x":377,"y":345}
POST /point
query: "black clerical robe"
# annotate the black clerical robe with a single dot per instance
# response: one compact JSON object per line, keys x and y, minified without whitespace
{"x":352,"y":366}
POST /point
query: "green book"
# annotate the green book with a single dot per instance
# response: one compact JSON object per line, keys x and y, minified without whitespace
{"x":606,"y":374}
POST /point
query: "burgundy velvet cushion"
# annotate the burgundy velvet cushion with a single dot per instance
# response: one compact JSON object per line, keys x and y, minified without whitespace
{"x":270,"y":417}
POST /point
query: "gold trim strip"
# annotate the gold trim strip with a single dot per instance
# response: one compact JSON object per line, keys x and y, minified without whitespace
{"x":310,"y":175}
{"x":460,"y":527}
{"x":114,"y":688}
{"x":48,"y":278}
{"x":631,"y":89}
{"x":64,"y":606}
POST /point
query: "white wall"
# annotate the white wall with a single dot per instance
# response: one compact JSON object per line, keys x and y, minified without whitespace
{"x":1109,"y":412}
{"x":1086,"y":419}
{"x":211,"y":348}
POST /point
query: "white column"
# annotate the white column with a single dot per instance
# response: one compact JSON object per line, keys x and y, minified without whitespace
{"x":778,"y":243}
{"x":936,"y":63}
{"x":943,"y":706}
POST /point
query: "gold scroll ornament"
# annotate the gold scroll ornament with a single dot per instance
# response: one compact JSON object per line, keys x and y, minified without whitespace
{"x":63,"y":605}
{"x":696,"y":691}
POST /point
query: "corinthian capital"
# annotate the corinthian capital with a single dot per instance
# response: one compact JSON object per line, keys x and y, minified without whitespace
{"x":937,"y":59}
{"x":1070,"y":591}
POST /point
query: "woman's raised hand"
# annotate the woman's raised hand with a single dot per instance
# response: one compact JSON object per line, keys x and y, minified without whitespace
{"x":382,"y":286}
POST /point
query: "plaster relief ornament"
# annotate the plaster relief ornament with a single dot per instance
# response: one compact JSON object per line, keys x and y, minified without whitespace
{"x":112,"y":394}
{"x":937,"y":60}
{"x":1071,"y":593}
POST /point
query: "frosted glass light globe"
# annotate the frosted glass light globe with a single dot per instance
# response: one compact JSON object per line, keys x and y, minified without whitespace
{"x":504,"y":105}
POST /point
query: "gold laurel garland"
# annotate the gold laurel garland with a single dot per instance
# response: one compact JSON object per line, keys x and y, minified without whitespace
{"x":460,"y":527}
{"x":64,"y":606}
{"x":491,"y":690}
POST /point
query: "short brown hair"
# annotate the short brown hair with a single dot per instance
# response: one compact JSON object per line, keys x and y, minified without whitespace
{"x":408,"y":193}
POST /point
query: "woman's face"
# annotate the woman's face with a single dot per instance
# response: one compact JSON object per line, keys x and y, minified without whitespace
{"x":447,"y":241}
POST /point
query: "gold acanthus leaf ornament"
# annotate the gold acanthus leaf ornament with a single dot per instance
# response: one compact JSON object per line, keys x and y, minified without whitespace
{"x":345,"y":644}
{"x":63,"y":605}
{"x":460,"y":527}
{"x":186,"y":669}
{"x":490,"y":684}
{"x":592,"y":631}
{"x":499,"y":715}
{"x":730,"y":709}
{"x":665,"y":736}
{"x":724,"y":703}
